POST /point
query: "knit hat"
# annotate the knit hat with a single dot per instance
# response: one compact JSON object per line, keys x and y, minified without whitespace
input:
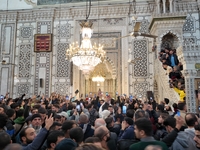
{"x":64,"y":114}
{"x":105,"y":114}
{"x":66,"y":144}
{"x":35,"y":116}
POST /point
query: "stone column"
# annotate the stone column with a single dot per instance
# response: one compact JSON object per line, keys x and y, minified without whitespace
{"x":190,"y":90}
{"x":114,"y":88}
{"x":158,"y":6}
{"x":86,"y":85}
{"x":164,"y":6}
{"x":171,"y":5}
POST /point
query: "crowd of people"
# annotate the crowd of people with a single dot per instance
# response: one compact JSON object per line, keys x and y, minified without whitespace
{"x":173,"y":69}
{"x":96,"y":123}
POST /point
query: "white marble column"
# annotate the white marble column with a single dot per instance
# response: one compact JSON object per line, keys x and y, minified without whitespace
{"x":171,"y":5}
{"x":164,"y":6}
{"x":114,"y":88}
{"x":158,"y":6}
{"x":190,"y":90}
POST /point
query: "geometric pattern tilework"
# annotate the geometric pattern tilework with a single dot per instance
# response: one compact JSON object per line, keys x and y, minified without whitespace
{"x":144,"y":27}
{"x":26,"y":33}
{"x":47,"y":23}
{"x":189,"y":40}
{"x":23,"y":88}
{"x":25,"y":60}
{"x":63,"y":65}
{"x":189,"y":25}
{"x":62,"y":88}
{"x":63,"y":31}
{"x":141,"y":88}
{"x":140,"y":51}
{"x":42,"y":65}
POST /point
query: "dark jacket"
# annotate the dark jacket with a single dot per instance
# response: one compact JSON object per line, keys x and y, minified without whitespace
{"x":38,"y":141}
{"x":128,"y":133}
{"x":160,"y":133}
{"x":88,"y":132}
{"x":10,"y":128}
{"x":170,"y":137}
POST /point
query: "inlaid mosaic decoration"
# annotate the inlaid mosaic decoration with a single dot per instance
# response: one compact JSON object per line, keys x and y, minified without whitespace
{"x":26,"y":33}
{"x":189,"y":25}
{"x":141,"y":88}
{"x":23,"y":88}
{"x":25,"y":60}
{"x":62,"y":65}
{"x":62,"y":88}
{"x":144,"y":27}
{"x":63,"y":31}
{"x":140,"y":54}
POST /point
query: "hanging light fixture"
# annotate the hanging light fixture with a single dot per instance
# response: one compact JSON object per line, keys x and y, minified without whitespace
{"x":98,"y":78}
{"x":86,"y":56}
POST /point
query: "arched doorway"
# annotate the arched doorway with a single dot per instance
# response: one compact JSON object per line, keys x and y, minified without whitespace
{"x":104,"y":69}
{"x":170,"y":40}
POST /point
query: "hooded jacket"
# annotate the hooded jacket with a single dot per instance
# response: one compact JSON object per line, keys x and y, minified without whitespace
{"x":184,"y":140}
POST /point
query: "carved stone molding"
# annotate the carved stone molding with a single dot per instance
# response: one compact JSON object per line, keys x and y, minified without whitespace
{"x":189,"y":73}
{"x":8,"y":17}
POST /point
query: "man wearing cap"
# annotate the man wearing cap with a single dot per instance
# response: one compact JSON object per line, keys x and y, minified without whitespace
{"x":29,"y":139}
{"x":36,"y":123}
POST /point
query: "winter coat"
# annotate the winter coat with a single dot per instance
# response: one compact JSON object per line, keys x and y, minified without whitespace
{"x":184,"y":140}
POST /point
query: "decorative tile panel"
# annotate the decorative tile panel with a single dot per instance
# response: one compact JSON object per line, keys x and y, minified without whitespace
{"x":23,"y":88}
{"x":189,"y":25}
{"x":62,"y":65}
{"x":25,"y":60}
{"x":63,"y":31}
{"x":26,"y":33}
{"x":141,"y":88}
{"x":62,"y":88}
{"x":189,"y":40}
{"x":144,"y":27}
{"x":140,"y":51}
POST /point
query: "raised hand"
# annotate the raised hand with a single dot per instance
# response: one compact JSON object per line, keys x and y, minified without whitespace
{"x":48,"y":122}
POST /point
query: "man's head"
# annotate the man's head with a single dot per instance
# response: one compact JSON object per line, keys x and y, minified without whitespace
{"x":36,"y":120}
{"x":143,"y":128}
{"x":42,"y":111}
{"x":76,"y":134}
{"x":182,"y":106}
{"x":197,"y":135}
{"x":54,"y":138}
{"x":57,"y":118}
{"x":109,"y":122}
{"x":128,"y":122}
{"x":55,"y":126}
{"x":94,"y":140}
{"x":2,"y":110}
{"x":162,"y":117}
{"x":99,"y":122}
{"x":140,"y":114}
{"x":14,"y":146}
{"x":102,"y":133}
{"x":27,"y":135}
{"x":67,"y":125}
{"x":169,"y":123}
{"x":191,"y":120}
{"x":4,"y":140}
{"x":83,"y":119}
{"x":3,"y":120}
{"x":55,"y":108}
{"x":11,"y":113}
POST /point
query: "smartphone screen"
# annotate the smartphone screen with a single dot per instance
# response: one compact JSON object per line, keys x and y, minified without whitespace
{"x":178,"y":113}
{"x":78,"y":107}
{"x":1,"y":97}
{"x":106,"y":93}
{"x":116,"y":93}
{"x":131,"y":97}
{"x":67,"y":97}
{"x":124,"y":109}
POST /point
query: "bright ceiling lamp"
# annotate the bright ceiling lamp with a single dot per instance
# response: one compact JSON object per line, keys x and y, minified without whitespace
{"x":98,"y":79}
{"x":86,"y":56}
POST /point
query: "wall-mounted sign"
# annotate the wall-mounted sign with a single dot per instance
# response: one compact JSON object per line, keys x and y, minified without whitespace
{"x":43,"y":43}
{"x":197,"y":66}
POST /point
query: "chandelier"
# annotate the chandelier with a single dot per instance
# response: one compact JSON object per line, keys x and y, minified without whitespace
{"x":86,"y":57}
{"x":98,"y":78}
